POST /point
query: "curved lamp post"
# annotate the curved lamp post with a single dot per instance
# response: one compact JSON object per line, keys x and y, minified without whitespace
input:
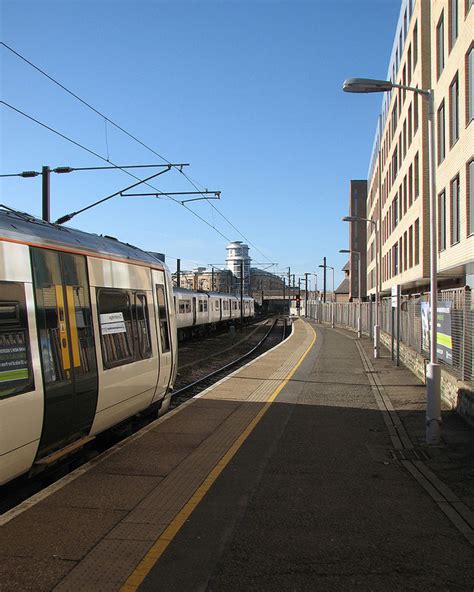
{"x":377,"y":279}
{"x":433,"y":371}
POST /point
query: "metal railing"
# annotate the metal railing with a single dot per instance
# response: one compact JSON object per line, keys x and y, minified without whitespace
{"x":455,"y":345}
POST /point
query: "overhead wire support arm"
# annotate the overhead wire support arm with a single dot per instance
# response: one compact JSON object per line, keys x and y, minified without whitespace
{"x":204,"y":195}
{"x":68,"y":217}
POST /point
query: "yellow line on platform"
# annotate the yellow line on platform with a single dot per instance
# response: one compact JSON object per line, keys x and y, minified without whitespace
{"x":146,"y":564}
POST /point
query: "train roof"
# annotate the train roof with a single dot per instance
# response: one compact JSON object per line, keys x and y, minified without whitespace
{"x":187,"y":291}
{"x":25,"y":228}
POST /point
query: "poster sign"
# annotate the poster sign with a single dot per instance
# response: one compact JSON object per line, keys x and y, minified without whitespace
{"x":112,"y":322}
{"x":444,"y":341}
{"x":13,"y":362}
{"x":395,"y":295}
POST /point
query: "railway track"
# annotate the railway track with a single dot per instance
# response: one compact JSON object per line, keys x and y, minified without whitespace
{"x":274,"y":335}
{"x":22,"y":488}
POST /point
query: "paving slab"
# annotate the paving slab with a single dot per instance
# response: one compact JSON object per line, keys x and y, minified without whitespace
{"x":316,"y":498}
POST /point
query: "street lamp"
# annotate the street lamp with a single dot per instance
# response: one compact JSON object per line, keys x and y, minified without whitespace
{"x":333,"y":295}
{"x":433,"y":371}
{"x":359,"y":308}
{"x":378,"y":270}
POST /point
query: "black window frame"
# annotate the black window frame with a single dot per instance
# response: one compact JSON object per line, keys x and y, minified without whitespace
{"x":163,"y":319}
{"x":141,"y":303}
{"x":107,"y":364}
{"x":20,"y":326}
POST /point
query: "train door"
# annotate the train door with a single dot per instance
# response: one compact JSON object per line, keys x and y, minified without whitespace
{"x":194,"y":310}
{"x":67,"y":350}
{"x":164,"y":333}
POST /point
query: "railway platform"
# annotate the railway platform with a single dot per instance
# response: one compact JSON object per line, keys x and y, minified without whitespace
{"x":304,"y":470}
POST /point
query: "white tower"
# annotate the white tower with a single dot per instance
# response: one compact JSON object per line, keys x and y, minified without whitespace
{"x":237,"y":252}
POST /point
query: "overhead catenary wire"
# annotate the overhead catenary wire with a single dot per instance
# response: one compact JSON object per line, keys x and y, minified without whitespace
{"x":136,"y":139}
{"x":79,"y":145}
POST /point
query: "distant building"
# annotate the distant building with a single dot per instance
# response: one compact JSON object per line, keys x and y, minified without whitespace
{"x":358,"y":239}
{"x":208,"y":280}
{"x":238,"y":259}
{"x":342,"y":291}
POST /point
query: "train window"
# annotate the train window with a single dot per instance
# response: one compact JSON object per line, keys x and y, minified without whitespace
{"x":182,"y":307}
{"x":187,"y":304}
{"x":116,"y":331}
{"x":163,"y":318}
{"x":143,"y":325}
{"x":205,"y":305}
{"x":16,"y":375}
{"x":217,"y":304}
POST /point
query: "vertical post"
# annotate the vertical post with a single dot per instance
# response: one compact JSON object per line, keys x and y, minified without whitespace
{"x":399,"y":297}
{"x":46,"y":195}
{"x":392,"y":334}
{"x":289,"y":291}
{"x":359,"y":320}
{"x":433,"y":371}
{"x":241,"y":294}
{"x":306,"y":294}
{"x":378,"y":275}
{"x":324,"y":279}
{"x":178,"y":273}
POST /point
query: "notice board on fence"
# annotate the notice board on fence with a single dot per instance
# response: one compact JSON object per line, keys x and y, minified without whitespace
{"x":444,"y":340}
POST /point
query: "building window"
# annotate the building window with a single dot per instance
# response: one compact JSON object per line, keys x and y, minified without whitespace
{"x":405,"y":195}
{"x":470,"y":85}
{"x":410,"y":246}
{"x":453,"y":22}
{"x":454,"y":111}
{"x":417,"y":176}
{"x":410,"y":125}
{"x":455,"y":221}
{"x":415,"y":113}
{"x":441,"y":134}
{"x":440,"y":46}
{"x":410,"y":185}
{"x":415,"y":45}
{"x":442,"y":221}
{"x":405,"y":250}
{"x":409,"y":66}
{"x":395,"y":212}
{"x":417,"y":242}
{"x":395,"y":259}
{"x":470,"y":197}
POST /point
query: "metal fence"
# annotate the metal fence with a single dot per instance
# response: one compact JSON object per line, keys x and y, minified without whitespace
{"x":458,"y":328}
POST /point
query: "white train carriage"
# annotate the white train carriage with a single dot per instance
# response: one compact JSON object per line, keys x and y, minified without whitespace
{"x":220,"y":307}
{"x":192,"y":308}
{"x":197,"y":312}
{"x":87,"y":339}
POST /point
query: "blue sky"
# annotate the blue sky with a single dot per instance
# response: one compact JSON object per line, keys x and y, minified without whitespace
{"x":248,"y":93}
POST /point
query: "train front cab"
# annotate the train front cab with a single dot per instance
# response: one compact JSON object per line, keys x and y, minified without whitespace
{"x":77,"y":357}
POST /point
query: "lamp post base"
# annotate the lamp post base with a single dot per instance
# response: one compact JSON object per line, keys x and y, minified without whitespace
{"x":433,"y":403}
{"x":376,"y":341}
{"x":359,"y":328}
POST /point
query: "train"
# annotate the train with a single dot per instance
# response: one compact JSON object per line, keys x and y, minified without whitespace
{"x":88,"y":337}
{"x":199,"y":312}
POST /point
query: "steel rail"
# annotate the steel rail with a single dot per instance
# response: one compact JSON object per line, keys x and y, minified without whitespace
{"x":226,"y":366}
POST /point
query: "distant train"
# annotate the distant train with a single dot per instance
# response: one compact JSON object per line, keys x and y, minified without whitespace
{"x":88,"y":337}
{"x":200,"y":311}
